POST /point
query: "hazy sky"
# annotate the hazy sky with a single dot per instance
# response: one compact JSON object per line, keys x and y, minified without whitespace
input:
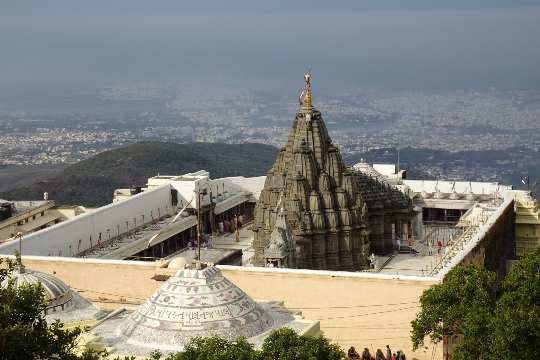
{"x":426,"y":45}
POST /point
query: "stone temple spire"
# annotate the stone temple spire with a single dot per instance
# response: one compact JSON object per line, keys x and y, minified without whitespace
{"x":322,"y":204}
{"x":305,"y":97}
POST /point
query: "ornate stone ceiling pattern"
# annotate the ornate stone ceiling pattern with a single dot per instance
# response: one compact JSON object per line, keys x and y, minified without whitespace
{"x":194,"y":303}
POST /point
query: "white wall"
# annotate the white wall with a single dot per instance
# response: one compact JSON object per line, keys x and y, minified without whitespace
{"x":57,"y":239}
{"x":461,"y":187}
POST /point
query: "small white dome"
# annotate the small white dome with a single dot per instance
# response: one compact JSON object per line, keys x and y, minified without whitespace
{"x":178,"y":263}
{"x":59,"y":296}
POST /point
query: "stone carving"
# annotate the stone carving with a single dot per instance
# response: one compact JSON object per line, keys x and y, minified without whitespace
{"x":322,"y":203}
{"x":386,"y":205}
{"x":194,"y":303}
{"x":278,"y":251}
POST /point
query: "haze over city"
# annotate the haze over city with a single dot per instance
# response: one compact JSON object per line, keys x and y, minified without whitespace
{"x":420,"y":45}
{"x":78,"y":79}
{"x":345,"y":179}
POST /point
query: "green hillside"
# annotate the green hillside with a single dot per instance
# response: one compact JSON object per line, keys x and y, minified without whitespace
{"x":92,"y":182}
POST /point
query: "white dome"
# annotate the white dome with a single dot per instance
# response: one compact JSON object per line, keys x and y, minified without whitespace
{"x":178,"y":263}
{"x":59,"y":296}
{"x":194,"y":303}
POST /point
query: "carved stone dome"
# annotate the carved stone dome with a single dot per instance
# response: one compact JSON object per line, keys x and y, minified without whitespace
{"x":59,"y":296}
{"x":194,"y":303}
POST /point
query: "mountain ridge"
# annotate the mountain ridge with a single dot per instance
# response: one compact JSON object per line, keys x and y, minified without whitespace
{"x":91,"y":182}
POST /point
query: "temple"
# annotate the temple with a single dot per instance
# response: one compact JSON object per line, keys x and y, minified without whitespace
{"x":173,"y":259}
{"x":195,"y":300}
{"x":324,"y":205}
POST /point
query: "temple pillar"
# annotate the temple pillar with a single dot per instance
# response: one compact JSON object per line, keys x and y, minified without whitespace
{"x":345,"y":251}
{"x":356,"y":240}
{"x":376,"y":234}
{"x":318,"y":251}
{"x":405,"y":232}
{"x":388,"y":245}
{"x":332,"y":257}
{"x":303,"y":255}
{"x":418,"y":225}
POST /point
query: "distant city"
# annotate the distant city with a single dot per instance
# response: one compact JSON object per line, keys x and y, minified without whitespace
{"x":359,"y":122}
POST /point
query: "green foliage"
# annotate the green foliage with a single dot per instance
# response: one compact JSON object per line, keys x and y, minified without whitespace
{"x":516,"y":324}
{"x":215,"y":348}
{"x":285,"y":344}
{"x":281,"y":344}
{"x":24,"y":333}
{"x":91,"y":182}
{"x":489,"y":324}
{"x":462,"y":304}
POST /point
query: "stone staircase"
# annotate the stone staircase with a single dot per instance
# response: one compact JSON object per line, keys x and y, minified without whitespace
{"x":457,"y":246}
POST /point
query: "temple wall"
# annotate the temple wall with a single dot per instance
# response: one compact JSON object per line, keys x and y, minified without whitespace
{"x":527,"y":223}
{"x":359,"y":309}
{"x":497,"y":244}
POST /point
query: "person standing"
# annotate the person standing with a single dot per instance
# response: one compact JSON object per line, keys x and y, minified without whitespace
{"x":221,"y":228}
{"x":352,"y":354}
{"x":236,"y":229}
{"x":372,"y":260}
{"x":388,"y":352}
{"x":366,"y":355}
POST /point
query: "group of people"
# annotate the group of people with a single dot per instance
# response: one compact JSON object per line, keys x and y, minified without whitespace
{"x":232,"y":226}
{"x":227,"y":226}
{"x":352,"y":354}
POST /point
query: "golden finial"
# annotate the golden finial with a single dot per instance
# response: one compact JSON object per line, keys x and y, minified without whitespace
{"x":305,"y":96}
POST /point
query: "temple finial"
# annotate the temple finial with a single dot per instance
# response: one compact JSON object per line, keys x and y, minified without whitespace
{"x":305,"y":96}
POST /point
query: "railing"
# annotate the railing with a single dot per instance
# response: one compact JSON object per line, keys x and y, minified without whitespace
{"x":471,"y":228}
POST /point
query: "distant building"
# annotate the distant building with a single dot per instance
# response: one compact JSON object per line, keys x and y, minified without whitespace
{"x":25,"y":217}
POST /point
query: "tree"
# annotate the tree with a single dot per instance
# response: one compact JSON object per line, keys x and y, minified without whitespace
{"x":286,"y":344}
{"x":24,"y":333}
{"x":215,"y":348}
{"x":516,"y":324}
{"x":462,"y":305}
{"x":491,"y":322}
{"x":281,"y":344}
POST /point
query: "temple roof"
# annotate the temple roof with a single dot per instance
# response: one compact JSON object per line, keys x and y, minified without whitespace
{"x":194,"y":303}
{"x":280,"y":238}
{"x":319,"y":194}
{"x":57,"y":293}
